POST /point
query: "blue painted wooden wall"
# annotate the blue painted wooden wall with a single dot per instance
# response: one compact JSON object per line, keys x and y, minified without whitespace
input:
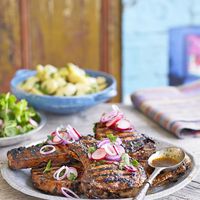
{"x":145,"y":25}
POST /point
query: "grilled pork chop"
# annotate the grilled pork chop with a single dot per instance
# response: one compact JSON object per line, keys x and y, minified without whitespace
{"x":46,"y":182}
{"x":105,"y":179}
{"x":31,"y":157}
{"x":137,"y":145}
{"x":109,"y":181}
{"x":100,"y":179}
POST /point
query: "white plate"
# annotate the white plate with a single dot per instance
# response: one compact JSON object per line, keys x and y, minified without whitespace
{"x":7,"y":141}
{"x":21,"y":180}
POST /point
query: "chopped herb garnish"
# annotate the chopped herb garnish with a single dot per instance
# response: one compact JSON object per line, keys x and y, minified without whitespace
{"x":72,"y":177}
{"x":135,"y":163}
{"x":112,"y":138}
{"x":48,"y":167}
{"x":91,"y":149}
{"x":125,"y":160}
{"x":50,"y":137}
{"x":40,"y":144}
{"x":62,"y":172}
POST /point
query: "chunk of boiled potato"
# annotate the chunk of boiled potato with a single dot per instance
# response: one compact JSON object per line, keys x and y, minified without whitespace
{"x":50,"y":86}
{"x":60,"y":81}
{"x":68,"y":90}
{"x":50,"y":69}
{"x":63,"y":72}
{"x":76,"y":75}
{"x":100,"y":80}
{"x":83,"y":89}
{"x":44,"y":73}
{"x":92,"y":80}
{"x":29,"y":83}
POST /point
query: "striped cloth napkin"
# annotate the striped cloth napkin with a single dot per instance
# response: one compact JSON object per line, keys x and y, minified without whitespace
{"x":175,"y":108}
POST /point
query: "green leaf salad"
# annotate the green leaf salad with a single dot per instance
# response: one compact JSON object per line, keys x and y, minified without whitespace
{"x":15,"y":116}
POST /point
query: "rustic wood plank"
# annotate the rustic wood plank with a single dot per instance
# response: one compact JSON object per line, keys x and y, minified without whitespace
{"x":58,"y":32}
{"x":65,"y":31}
{"x":85,"y":121}
{"x":85,"y":32}
{"x":10,"y":56}
{"x":24,"y":27}
{"x":110,"y":48}
{"x":114,"y":42}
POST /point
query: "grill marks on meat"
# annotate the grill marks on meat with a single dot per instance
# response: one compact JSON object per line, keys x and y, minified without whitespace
{"x":31,"y":157}
{"x":97,"y":179}
{"x":46,"y":183}
{"x":137,"y":145}
{"x":80,"y":148}
{"x":105,"y":180}
{"x":108,"y":181}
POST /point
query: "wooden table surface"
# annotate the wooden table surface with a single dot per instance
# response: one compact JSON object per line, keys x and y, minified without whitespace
{"x":84,"y":122}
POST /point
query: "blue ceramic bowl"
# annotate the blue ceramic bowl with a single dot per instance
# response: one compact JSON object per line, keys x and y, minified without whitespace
{"x":63,"y":105}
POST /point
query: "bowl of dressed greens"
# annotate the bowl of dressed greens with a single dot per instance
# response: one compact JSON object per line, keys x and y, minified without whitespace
{"x":64,"y":90}
{"x":18,"y":121}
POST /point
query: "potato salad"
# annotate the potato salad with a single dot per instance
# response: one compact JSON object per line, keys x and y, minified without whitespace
{"x":66,"y":81}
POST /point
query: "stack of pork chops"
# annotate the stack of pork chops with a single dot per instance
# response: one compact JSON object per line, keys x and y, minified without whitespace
{"x":110,"y":164}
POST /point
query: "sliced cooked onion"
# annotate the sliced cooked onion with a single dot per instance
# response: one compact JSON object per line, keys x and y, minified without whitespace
{"x":57,"y":176}
{"x":109,"y":149}
{"x":79,"y":135}
{"x":42,"y":150}
{"x":55,"y":140}
{"x":61,"y":133}
{"x":72,"y":170}
{"x":114,"y":120}
{"x":64,"y":135}
{"x":119,"y":149}
{"x":118,"y":141}
{"x":74,"y":134}
{"x":89,"y":155}
{"x":104,"y":141}
{"x":108,"y":116}
{"x":69,"y":193}
{"x":130,"y":168}
{"x":113,"y":158}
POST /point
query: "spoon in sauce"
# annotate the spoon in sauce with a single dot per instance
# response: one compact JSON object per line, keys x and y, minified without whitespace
{"x":165,"y":159}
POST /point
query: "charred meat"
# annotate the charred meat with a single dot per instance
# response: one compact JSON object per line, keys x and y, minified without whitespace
{"x":137,"y":145}
{"x":45,"y":181}
{"x":30,"y":157}
{"x":102,"y":179}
